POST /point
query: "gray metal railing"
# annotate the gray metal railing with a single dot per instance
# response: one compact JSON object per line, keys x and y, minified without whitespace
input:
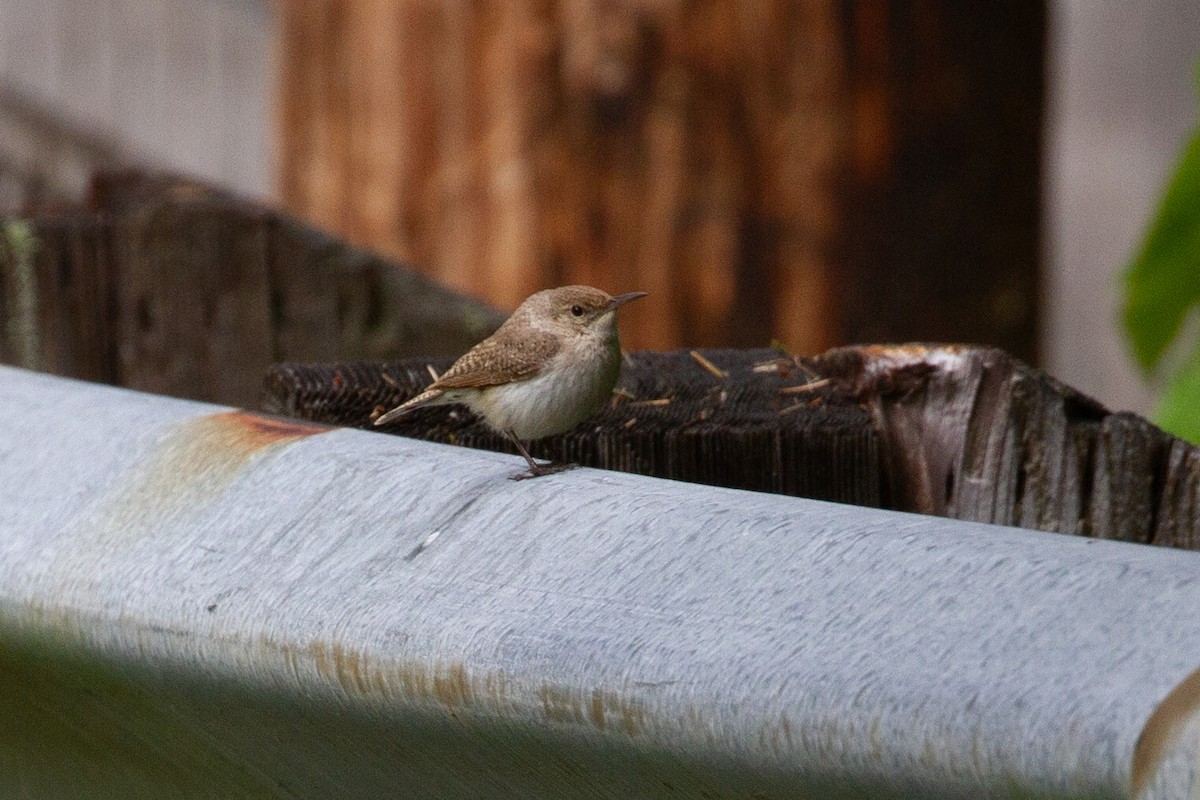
{"x":196,"y":601}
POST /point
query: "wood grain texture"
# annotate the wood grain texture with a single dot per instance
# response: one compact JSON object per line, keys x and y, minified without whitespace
{"x":69,"y":278}
{"x":942,"y":212}
{"x":169,"y":286}
{"x":973,"y":433}
{"x":669,"y":417}
{"x":766,"y":170}
{"x":545,"y":144}
{"x":192,"y":300}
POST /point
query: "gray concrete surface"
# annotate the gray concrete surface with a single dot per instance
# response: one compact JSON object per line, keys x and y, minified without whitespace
{"x":201,"y":602}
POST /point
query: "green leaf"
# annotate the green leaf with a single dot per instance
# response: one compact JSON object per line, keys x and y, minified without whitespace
{"x":1178,"y":410}
{"x":1163,"y":282}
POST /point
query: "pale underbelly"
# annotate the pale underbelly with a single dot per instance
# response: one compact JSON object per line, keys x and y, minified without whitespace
{"x":550,"y":403}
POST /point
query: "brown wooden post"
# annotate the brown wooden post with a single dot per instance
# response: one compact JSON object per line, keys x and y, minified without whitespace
{"x":941,"y":226}
{"x":814,"y":172}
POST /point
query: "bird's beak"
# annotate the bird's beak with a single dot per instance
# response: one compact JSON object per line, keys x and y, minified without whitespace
{"x":622,"y":299}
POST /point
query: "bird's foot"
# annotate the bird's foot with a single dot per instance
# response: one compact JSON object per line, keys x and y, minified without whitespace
{"x":538,"y":470}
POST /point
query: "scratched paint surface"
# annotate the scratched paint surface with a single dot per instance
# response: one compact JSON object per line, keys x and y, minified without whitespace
{"x":234,"y":606}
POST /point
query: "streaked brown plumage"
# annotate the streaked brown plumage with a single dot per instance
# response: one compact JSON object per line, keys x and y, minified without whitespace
{"x":550,"y":366}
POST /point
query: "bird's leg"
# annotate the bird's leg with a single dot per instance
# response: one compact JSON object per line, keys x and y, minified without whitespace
{"x":535,"y":469}
{"x":533,"y":465}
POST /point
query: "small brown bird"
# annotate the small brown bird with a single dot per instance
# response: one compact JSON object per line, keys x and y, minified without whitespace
{"x":550,"y":366}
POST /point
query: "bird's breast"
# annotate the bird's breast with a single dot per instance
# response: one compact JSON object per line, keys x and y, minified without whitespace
{"x":574,"y":385}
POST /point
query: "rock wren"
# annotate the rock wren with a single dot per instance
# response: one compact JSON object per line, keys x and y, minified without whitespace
{"x":550,"y":366}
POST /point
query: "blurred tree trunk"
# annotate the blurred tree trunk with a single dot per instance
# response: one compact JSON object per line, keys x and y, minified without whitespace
{"x":815,"y":171}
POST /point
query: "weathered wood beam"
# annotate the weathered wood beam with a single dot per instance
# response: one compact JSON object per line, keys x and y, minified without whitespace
{"x":167,"y":285}
{"x":722,"y":417}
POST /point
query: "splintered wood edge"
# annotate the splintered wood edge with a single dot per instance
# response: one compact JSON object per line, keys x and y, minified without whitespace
{"x":709,"y":366}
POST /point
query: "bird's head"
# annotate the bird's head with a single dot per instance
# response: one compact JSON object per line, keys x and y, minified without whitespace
{"x":579,"y":310}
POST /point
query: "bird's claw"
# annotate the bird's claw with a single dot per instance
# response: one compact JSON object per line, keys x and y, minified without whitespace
{"x":538,"y":470}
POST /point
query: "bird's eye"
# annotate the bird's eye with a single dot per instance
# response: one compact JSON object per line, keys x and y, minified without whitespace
{"x":577,"y":310}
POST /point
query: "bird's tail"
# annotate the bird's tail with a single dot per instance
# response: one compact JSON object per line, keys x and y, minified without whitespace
{"x":408,"y":405}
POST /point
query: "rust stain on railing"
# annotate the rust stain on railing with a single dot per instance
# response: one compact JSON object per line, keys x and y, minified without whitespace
{"x":247,"y":432}
{"x":196,"y":461}
{"x":456,"y":688}
{"x":201,"y":457}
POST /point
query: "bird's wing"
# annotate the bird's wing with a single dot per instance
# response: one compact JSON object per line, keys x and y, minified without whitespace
{"x":501,"y":358}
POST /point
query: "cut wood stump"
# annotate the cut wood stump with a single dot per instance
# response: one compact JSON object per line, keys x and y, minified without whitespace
{"x":729,"y":422}
{"x":964,"y":432}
